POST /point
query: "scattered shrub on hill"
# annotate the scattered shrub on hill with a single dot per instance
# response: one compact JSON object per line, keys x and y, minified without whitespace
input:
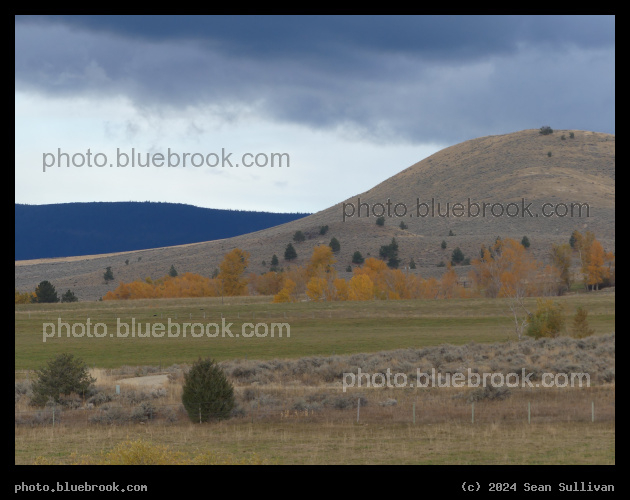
{"x":380,"y":221}
{"x":525,"y":242}
{"x":458,"y":256}
{"x":290,"y":253}
{"x":108,"y":275}
{"x":172,"y":271}
{"x":403,"y":226}
{"x":545,"y":130}
{"x":323,"y":230}
{"x":298,"y":237}
{"x":443,"y":245}
{"x":335,"y":245}
{"x":357,"y":258}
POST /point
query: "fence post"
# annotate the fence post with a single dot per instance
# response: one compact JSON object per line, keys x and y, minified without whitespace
{"x":358,"y":408}
{"x":473,"y":412}
{"x":414,"y":413}
{"x":53,"y":417}
{"x":592,"y":411}
{"x":199,"y":412}
{"x":529,"y":412}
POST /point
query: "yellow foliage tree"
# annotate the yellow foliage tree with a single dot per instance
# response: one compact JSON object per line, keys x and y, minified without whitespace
{"x":231,"y":273}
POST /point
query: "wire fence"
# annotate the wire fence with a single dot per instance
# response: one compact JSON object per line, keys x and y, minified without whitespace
{"x":342,"y":409}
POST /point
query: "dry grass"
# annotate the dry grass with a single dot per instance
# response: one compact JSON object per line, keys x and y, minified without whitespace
{"x":294,"y":442}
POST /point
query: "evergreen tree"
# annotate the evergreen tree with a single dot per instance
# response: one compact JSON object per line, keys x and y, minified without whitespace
{"x":298,"y":237}
{"x":380,"y":221}
{"x":403,"y":226}
{"x":69,"y":296}
{"x":412,"y":264}
{"x":63,"y":375}
{"x":323,"y":230}
{"x":458,"y":256}
{"x":172,"y":272}
{"x":45,"y":293}
{"x":525,"y":242}
{"x":335,"y":245}
{"x":390,"y":252}
{"x":108,"y":275}
{"x":290,"y":253}
{"x":357,"y":258}
{"x":207,"y":393}
{"x":450,"y":233}
{"x":443,"y":245}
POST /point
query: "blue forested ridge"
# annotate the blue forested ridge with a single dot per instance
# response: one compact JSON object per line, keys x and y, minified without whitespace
{"x":70,"y":229}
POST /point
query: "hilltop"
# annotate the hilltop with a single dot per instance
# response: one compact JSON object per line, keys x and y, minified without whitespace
{"x":495,"y":169}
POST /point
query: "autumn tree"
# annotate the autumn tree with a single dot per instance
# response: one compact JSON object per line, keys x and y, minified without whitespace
{"x":286,"y":294}
{"x":580,"y":325}
{"x":507,"y":270}
{"x":561,"y":259}
{"x":547,"y":321}
{"x":24,"y":298}
{"x":321,"y":262}
{"x":231,"y":272}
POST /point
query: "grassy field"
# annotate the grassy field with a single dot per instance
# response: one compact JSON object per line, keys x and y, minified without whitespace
{"x":342,"y":443}
{"x":316,"y":328}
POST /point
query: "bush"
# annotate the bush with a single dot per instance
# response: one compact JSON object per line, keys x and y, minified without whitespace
{"x":298,"y":237}
{"x":323,"y":230}
{"x":403,"y":226}
{"x":69,"y":296}
{"x":581,"y":328}
{"x":547,"y":321}
{"x":380,"y":221}
{"x":63,"y":375}
{"x":545,"y":130}
{"x":207,"y":393}
{"x":443,"y":245}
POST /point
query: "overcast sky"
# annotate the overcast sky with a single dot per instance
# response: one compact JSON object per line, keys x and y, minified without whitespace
{"x":351,"y":100}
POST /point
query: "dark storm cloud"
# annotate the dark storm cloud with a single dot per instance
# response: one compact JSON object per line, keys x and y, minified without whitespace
{"x":387,"y":78}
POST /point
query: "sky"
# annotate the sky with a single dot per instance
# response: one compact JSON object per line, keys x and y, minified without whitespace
{"x":338,"y":103}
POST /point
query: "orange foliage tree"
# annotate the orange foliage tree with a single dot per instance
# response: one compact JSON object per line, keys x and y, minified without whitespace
{"x":231,"y":273}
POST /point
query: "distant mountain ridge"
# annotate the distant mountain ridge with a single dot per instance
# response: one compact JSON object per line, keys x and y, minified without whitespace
{"x":72,"y":229}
